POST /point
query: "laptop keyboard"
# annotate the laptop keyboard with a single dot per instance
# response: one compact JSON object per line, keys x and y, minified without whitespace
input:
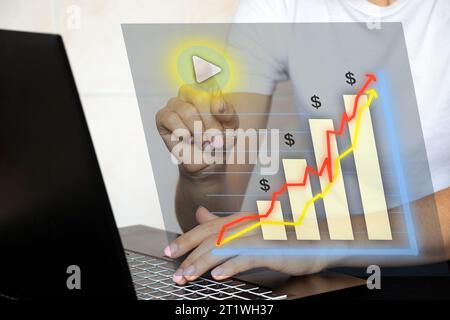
{"x":152,"y":279}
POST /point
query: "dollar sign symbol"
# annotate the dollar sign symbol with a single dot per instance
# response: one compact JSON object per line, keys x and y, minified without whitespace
{"x":350,"y":78}
{"x":289,"y":141}
{"x":264,"y":184}
{"x":315,"y":102}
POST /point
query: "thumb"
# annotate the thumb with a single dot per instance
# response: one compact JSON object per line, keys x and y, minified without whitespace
{"x":203,"y":215}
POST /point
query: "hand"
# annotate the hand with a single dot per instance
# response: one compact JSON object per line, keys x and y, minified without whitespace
{"x":202,"y":240}
{"x":195,"y":104}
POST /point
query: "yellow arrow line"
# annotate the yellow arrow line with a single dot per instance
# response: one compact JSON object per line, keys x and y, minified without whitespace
{"x":372,"y":94}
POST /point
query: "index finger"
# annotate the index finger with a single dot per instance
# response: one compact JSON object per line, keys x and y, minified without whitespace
{"x":192,"y":239}
{"x":201,"y":99}
{"x":224,"y":111}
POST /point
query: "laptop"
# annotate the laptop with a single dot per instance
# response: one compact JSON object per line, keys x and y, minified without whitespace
{"x":58,"y":237}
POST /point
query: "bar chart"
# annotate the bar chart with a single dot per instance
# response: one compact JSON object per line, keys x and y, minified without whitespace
{"x":356,"y":120}
{"x":335,"y":200}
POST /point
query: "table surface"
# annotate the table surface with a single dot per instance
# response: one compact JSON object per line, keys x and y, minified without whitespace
{"x":326,"y":285}
{"x":152,"y":241}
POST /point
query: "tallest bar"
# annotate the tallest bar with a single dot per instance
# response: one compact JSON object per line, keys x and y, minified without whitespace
{"x":369,"y":173}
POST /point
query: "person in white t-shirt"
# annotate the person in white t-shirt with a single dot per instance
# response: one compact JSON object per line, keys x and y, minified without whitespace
{"x":426,"y":25}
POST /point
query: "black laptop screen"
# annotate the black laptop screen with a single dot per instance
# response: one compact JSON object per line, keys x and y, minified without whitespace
{"x":54,"y":210}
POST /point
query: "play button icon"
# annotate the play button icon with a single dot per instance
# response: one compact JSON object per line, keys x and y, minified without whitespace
{"x":203,"y":66}
{"x":203,"y":69}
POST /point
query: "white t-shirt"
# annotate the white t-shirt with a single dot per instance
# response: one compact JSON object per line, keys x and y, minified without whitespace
{"x":426,"y":25}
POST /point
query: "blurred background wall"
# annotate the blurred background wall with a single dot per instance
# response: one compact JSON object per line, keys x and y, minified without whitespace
{"x":92,"y":34}
{"x":93,"y":39}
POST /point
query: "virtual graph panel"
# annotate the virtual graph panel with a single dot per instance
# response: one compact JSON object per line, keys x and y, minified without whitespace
{"x":328,"y":63}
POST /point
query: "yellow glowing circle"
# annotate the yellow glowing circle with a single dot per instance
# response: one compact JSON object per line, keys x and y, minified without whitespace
{"x":185,"y":67}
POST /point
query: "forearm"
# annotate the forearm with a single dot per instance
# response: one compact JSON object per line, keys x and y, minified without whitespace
{"x":431,"y":221}
{"x":199,"y":190}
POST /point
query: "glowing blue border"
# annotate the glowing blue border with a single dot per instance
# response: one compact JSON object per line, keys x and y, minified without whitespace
{"x":413,"y":248}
